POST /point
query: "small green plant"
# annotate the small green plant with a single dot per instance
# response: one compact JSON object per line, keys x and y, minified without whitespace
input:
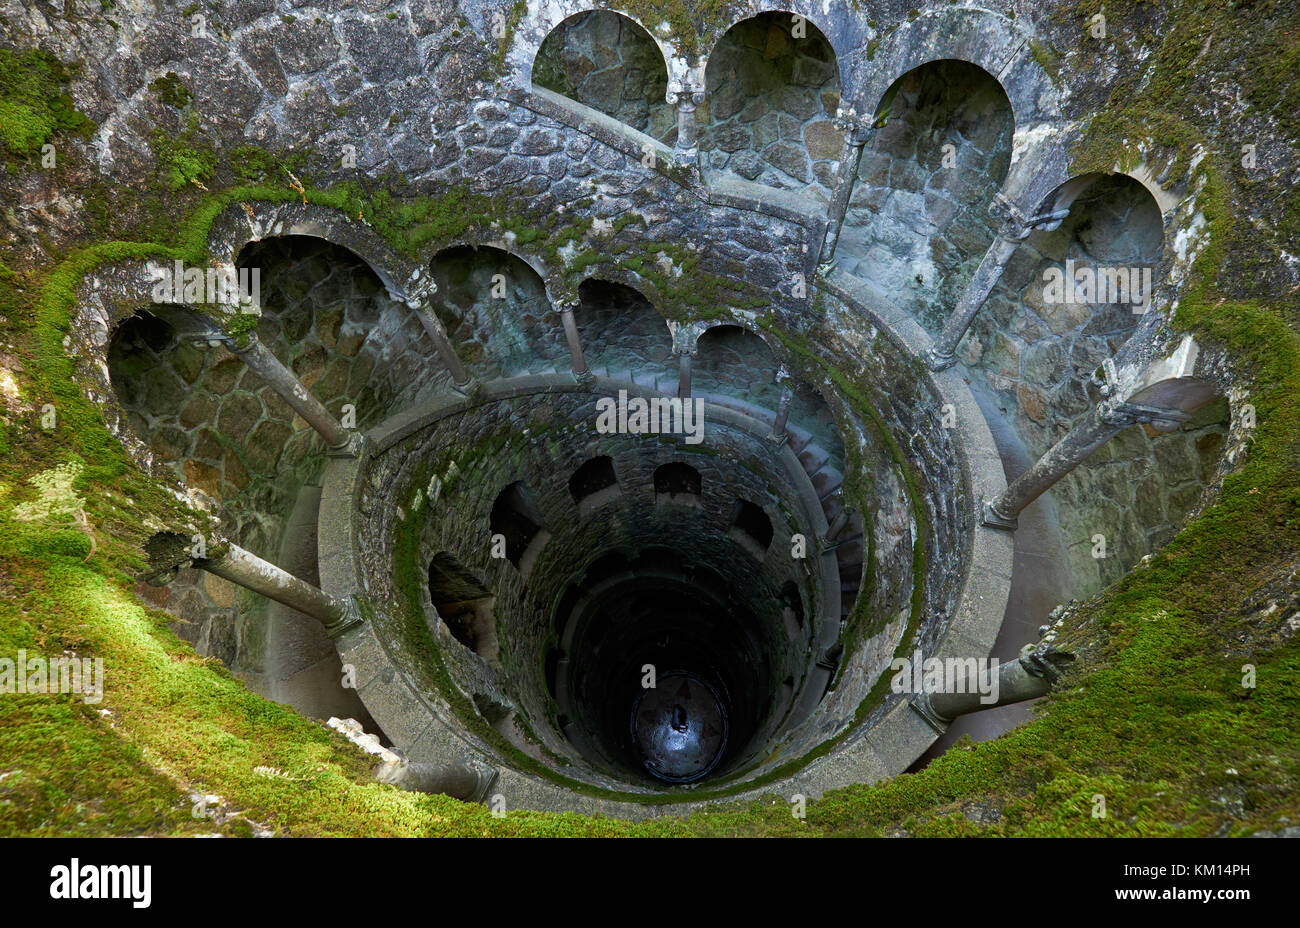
{"x":171,"y":90}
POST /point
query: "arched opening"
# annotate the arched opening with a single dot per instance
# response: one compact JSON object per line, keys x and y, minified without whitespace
{"x":606,"y":61}
{"x":791,"y":609}
{"x":495,"y":311}
{"x":594,"y":484}
{"x":151,"y":370}
{"x":517,"y":521}
{"x":329,"y":318}
{"x":1036,"y":345}
{"x":751,"y":528}
{"x":677,"y":483}
{"x":917,"y":223}
{"x":736,"y":368}
{"x":773,"y":86}
{"x":622,"y":333}
{"x":1035,"y":349}
{"x":734,"y":363}
{"x":463,"y":604}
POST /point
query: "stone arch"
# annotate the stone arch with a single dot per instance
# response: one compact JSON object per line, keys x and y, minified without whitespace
{"x":541,"y":19}
{"x":234,"y":230}
{"x":843,"y":34}
{"x":329,"y":317}
{"x":736,"y":365}
{"x":494,"y":307}
{"x":622,"y":333}
{"x":607,"y":61}
{"x":1036,"y":350}
{"x":918,"y":219}
{"x":1078,"y":186}
{"x":978,"y":36}
{"x":769,"y":101}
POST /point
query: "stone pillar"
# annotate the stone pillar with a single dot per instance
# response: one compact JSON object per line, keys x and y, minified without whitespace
{"x":264,"y":364}
{"x":1103,"y":423}
{"x":686,"y":97}
{"x":686,"y":338}
{"x":458,"y":779}
{"x":942,"y":354}
{"x":779,"y":432}
{"x":420,"y":288}
{"x":841,"y":522}
{"x":684,"y":372}
{"x":245,"y":569}
{"x":580,"y":371}
{"x":1029,"y":676}
{"x":1015,"y":229}
{"x":856,"y":135}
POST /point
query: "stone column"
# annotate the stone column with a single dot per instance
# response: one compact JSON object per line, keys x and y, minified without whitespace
{"x":684,"y":372}
{"x":779,"y":432}
{"x":1029,"y":676}
{"x":264,"y":364}
{"x":1103,"y":423}
{"x":245,"y":569}
{"x":1015,"y":229}
{"x":841,"y":522}
{"x":856,"y":134}
{"x":686,"y":338}
{"x":458,"y":779}
{"x":686,"y":98}
{"x":942,"y":354}
{"x":580,"y":371}
{"x":420,"y":288}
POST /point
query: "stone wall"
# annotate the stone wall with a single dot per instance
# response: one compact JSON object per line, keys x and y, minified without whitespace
{"x":771,"y":97}
{"x":918,"y":223}
{"x":607,"y":62}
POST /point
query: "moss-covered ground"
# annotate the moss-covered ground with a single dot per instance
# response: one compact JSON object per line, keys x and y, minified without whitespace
{"x":1154,"y":718}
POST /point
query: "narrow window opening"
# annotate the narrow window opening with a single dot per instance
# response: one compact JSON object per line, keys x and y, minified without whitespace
{"x":594,"y":484}
{"x":751,"y":528}
{"x":463,"y":605}
{"x":517,"y":519}
{"x":677,"y":483}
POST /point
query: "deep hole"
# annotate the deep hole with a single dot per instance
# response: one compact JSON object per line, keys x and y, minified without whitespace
{"x":656,"y":619}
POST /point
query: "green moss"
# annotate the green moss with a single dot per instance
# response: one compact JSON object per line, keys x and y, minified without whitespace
{"x":172,"y":90}
{"x":34,"y":103}
{"x":688,"y":20}
{"x":1047,"y":59}
{"x":512,"y":18}
{"x":183,"y":159}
